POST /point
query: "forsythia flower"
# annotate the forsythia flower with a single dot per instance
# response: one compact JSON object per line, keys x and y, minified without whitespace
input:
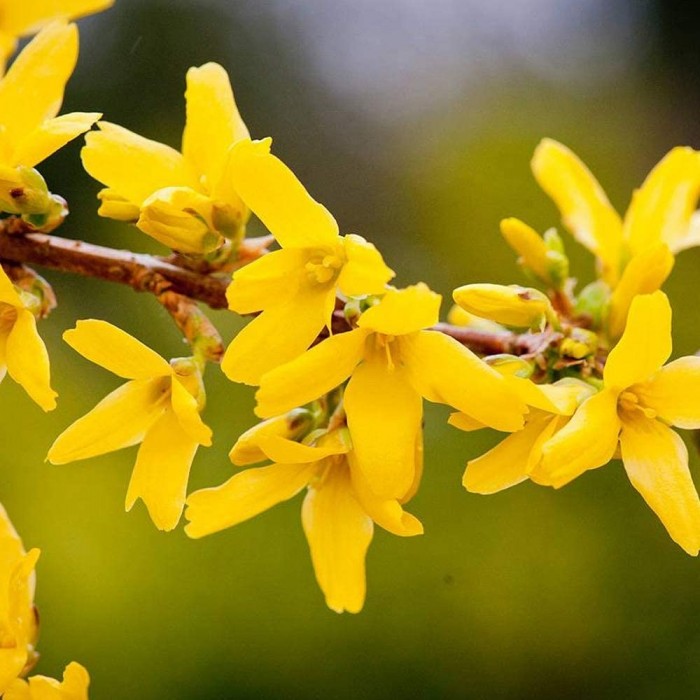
{"x":184,"y":200}
{"x":18,"y":620}
{"x":294,"y":287}
{"x":22,"y":352}
{"x":338,"y":512}
{"x":74,"y":686}
{"x":393,"y":362}
{"x":31,"y":94}
{"x":640,"y":398}
{"x":159,"y":408}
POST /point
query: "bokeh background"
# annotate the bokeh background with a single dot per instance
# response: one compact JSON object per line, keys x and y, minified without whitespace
{"x":414,"y":123}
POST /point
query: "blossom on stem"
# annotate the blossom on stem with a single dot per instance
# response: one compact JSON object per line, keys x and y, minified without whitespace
{"x":295,"y":287}
{"x":158,"y":407}
{"x":73,"y":687}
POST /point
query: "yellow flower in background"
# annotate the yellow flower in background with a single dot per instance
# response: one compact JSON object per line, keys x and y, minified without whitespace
{"x":184,"y":200}
{"x":639,"y":400}
{"x":338,"y":513}
{"x":296,"y":287}
{"x":393,"y":362}
{"x":20,"y":18}
{"x":31,"y":93}
{"x":18,"y":619}
{"x":74,"y":686}
{"x":158,"y":407}
{"x":22,"y":351}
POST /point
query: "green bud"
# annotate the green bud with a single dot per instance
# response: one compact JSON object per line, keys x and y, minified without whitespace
{"x":594,"y":301}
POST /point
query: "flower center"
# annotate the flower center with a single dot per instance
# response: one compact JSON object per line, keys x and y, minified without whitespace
{"x":629,"y":402}
{"x":323,"y":268}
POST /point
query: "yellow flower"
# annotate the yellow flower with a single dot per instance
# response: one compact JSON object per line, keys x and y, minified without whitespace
{"x":639,"y":400}
{"x":19,"y":19}
{"x":31,"y":94}
{"x":184,"y":200}
{"x":338,"y":511}
{"x":18,"y":620}
{"x":394,"y":362}
{"x":74,"y":686}
{"x":22,"y":352}
{"x":159,"y":408}
{"x":294,"y":287}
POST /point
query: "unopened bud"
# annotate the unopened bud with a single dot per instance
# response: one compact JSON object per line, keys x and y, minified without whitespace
{"x":593,"y":301}
{"x":457,"y":316}
{"x":579,"y":344}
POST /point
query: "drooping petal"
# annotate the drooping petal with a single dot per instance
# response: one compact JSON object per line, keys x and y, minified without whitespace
{"x":444,"y":371}
{"x":584,"y":207}
{"x":244,"y":496}
{"x":384,"y":414}
{"x":21,"y":18}
{"x":403,"y":311}
{"x":281,"y":450}
{"x":588,"y":441}
{"x":162,"y":470}
{"x":561,"y":397}
{"x":51,"y":135}
{"x":365,"y":271}
{"x":28,"y":361}
{"x":213,"y":123}
{"x":662,"y":207}
{"x":656,"y":461}
{"x":73,"y":687}
{"x":339,"y":533}
{"x":187,"y":412}
{"x":131,"y":165}
{"x":272,"y":191}
{"x":8,"y":293}
{"x":645,"y":344}
{"x":121,"y":419}
{"x":313,"y":374}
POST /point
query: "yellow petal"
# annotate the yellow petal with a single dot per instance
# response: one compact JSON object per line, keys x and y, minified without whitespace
{"x":588,"y":441}
{"x":161,"y":471}
{"x":115,"y":350}
{"x":656,"y":461}
{"x":444,"y":371}
{"x":278,"y":199}
{"x":213,"y":122}
{"x":21,"y":18}
{"x":403,"y":311}
{"x":662,"y":207}
{"x":51,"y":135}
{"x":645,"y":344}
{"x":244,"y":496}
{"x":32,"y":89}
{"x":8,"y":293}
{"x":114,"y":206}
{"x":365,"y":271}
{"x":74,"y":686}
{"x":584,"y":207}
{"x":561,"y":397}
{"x":339,"y":533}
{"x":464,"y":422}
{"x":457,"y":316}
{"x":510,"y":305}
{"x":313,"y":374}
{"x":121,"y":419}
{"x":644,"y":274}
{"x":277,"y":336}
{"x":187,"y":412}
{"x":28,"y":362}
{"x":384,"y":414}
{"x":279,"y":449}
{"x":131,"y":165}
{"x":529,"y":245}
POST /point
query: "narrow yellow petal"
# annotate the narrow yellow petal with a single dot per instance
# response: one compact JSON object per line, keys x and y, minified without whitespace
{"x":462,"y":421}
{"x":282,"y":450}
{"x":529,"y":245}
{"x":131,"y":165}
{"x":365,"y":271}
{"x":8,"y":292}
{"x":121,"y":419}
{"x":644,"y":274}
{"x":271,"y":190}
{"x":115,"y":350}
{"x":645,"y":344}
{"x":662,"y":207}
{"x":313,"y":374}
{"x":28,"y":361}
{"x":656,"y":461}
{"x":584,"y":207}
{"x":588,"y":441}
{"x":444,"y":371}
{"x":244,"y":496}
{"x":21,"y":18}
{"x":403,"y":311}
{"x":339,"y":533}
{"x":561,"y":398}
{"x":187,"y":412}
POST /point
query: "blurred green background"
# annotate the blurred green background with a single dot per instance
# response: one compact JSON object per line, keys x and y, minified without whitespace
{"x":414,"y":123}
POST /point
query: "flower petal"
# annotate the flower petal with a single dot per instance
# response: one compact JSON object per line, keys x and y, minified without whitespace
{"x":8,"y":292}
{"x":279,"y":449}
{"x":365,"y":271}
{"x":645,"y":344}
{"x":187,"y":412}
{"x":656,"y":461}
{"x":121,"y":419}
{"x":339,"y":533}
{"x":403,"y":311}
{"x":271,"y":190}
{"x":115,"y":350}
{"x":21,"y":18}
{"x":74,"y":686}
{"x":313,"y":374}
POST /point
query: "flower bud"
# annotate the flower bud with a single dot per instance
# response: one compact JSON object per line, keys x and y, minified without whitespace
{"x":23,"y":191}
{"x":457,"y":316}
{"x":593,"y":301}
{"x":510,"y":365}
{"x":579,"y":344}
